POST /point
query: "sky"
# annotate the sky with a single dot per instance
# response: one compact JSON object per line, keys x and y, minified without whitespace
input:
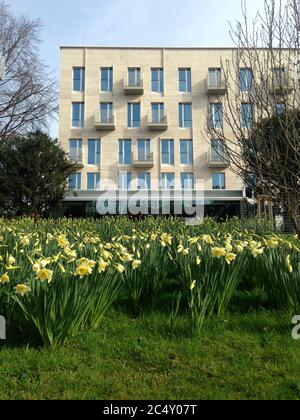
{"x":162,"y":23}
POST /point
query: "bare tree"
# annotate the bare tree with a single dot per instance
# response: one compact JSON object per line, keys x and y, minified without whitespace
{"x":28,"y":96}
{"x":260,"y":132}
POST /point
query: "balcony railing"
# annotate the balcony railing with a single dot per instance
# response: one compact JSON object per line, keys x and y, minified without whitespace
{"x":143,"y":160}
{"x":77,"y":161}
{"x":106,"y":123}
{"x":216,"y":160}
{"x":281,"y":84}
{"x":133,"y":87}
{"x":215,"y":85}
{"x":158,"y":124}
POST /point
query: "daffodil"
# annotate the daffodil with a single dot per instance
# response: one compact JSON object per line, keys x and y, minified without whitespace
{"x":193,"y":285}
{"x":136,"y":264}
{"x":83,"y":270}
{"x":4,"y":278}
{"x":36,"y":267}
{"x":198,"y":261}
{"x":288,"y":264}
{"x":11,"y":260}
{"x":103,"y":266}
{"x":45,"y":275}
{"x":207,"y":239}
{"x":218,"y":252}
{"x":239,"y":249}
{"x":257,"y":251}
{"x":186,"y":252}
{"x":120,"y":268}
{"x":230,"y":257}
{"x":22,"y":289}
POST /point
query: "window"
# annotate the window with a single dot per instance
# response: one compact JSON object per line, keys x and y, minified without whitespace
{"x":278,"y":77}
{"x":247,"y":115}
{"x":125,"y":179}
{"x":134,"y":77}
{"x":185,"y":80}
{"x":75,"y":150}
{"x":144,"y":150}
{"x":106,"y":79}
{"x":78,"y":79}
{"x":187,"y":181}
{"x":75,"y":182}
{"x":125,"y":153}
{"x":186,"y":152}
{"x":214,"y":77}
{"x":185,"y":115}
{"x":94,"y":151}
{"x":218,"y":181}
{"x":280,"y":108}
{"x":144,"y":181}
{"x":167,"y":152}
{"x":93,"y":181}
{"x":217,"y":150}
{"x":134,"y":115}
{"x":216,"y":116}
{"x":246,"y":80}
{"x":106,"y":112}
{"x":157,"y":80}
{"x":77,"y":114}
{"x":158,"y":112}
{"x":167,"y":181}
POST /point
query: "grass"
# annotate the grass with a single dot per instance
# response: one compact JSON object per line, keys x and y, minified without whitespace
{"x":245,"y":356}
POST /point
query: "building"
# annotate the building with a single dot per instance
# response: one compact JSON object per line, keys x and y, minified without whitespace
{"x":137,"y":117}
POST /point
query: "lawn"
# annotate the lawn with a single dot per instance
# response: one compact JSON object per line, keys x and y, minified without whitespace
{"x":248,"y":356}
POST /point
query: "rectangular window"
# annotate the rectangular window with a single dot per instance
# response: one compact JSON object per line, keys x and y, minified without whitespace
{"x":246,"y":79}
{"x":185,"y":81}
{"x":218,"y":181}
{"x":144,"y":150}
{"x":216,"y":116}
{"x":106,"y":79}
{"x":134,"y":115}
{"x":278,"y":77}
{"x":217,"y":150}
{"x":144,"y":181}
{"x":78,"y":79}
{"x":75,"y":150}
{"x":214,"y":77}
{"x":75,"y":182}
{"x":167,"y":152}
{"x":94,"y":151}
{"x":247,"y":115}
{"x":167,"y":181}
{"x":77,"y":114}
{"x":125,"y":179}
{"x":158,"y":112}
{"x":157,"y":80}
{"x":186,"y":152}
{"x":106,"y":112}
{"x":134,"y":76}
{"x":93,"y":181}
{"x":280,"y":108}
{"x":185,"y":115}
{"x":125,"y":152}
{"x":187,"y":181}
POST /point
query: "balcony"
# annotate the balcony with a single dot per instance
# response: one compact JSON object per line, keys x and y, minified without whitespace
{"x":133,"y":87}
{"x":281,"y":85}
{"x":215,"y":85}
{"x":216,"y":160}
{"x":105,"y":123}
{"x":158,"y":124}
{"x":77,"y":162}
{"x":145,"y":161}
